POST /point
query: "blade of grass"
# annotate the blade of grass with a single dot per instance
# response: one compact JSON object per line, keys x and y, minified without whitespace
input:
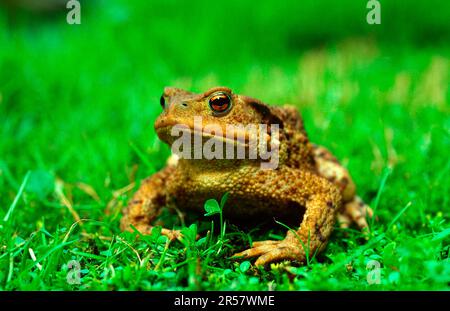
{"x":48,"y":253}
{"x":87,"y":255}
{"x":306,"y":248}
{"x":16,"y":199}
{"x":386,"y":174}
{"x":399,"y":214}
{"x":143,"y":157}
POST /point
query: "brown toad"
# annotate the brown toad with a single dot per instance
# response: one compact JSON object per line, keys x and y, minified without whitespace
{"x":308,"y":182}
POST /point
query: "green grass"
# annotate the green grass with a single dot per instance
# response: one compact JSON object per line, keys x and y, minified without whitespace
{"x":77,"y":104}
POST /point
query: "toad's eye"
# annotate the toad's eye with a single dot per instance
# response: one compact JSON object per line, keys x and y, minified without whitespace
{"x":162,"y":101}
{"x":220,"y":103}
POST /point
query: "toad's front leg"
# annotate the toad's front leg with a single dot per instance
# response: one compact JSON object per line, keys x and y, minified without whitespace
{"x":147,"y":203}
{"x":321,"y":200}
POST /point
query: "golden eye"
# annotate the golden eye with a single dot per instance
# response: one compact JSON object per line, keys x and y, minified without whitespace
{"x":220,"y":103}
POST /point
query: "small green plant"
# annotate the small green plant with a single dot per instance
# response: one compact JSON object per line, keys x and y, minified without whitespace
{"x":212,"y":207}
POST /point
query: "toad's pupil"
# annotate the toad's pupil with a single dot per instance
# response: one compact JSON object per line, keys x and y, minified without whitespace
{"x":219,"y":103}
{"x":162,"y":101}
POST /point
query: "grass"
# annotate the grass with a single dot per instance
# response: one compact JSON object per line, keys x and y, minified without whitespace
{"x":77,"y":104}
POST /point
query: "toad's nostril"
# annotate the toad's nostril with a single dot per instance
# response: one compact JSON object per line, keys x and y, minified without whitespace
{"x":184,"y":104}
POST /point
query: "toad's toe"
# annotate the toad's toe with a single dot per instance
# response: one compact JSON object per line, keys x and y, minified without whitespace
{"x":263,"y":243}
{"x":172,"y":234}
{"x":258,"y":249}
{"x":272,"y":251}
{"x":356,"y":211}
{"x":280,"y":253}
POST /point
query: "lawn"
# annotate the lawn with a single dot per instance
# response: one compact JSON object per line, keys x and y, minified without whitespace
{"x":77,"y":106}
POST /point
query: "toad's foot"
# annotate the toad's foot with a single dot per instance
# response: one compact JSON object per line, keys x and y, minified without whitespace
{"x":146,"y":205}
{"x":172,"y":234}
{"x":169,"y":233}
{"x":314,"y":231}
{"x":272,"y":251}
{"x":355,"y":211}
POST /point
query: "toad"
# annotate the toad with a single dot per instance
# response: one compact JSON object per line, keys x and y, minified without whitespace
{"x":307,"y":183}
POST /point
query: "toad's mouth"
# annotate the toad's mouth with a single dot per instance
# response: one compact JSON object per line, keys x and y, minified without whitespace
{"x":233,"y":135}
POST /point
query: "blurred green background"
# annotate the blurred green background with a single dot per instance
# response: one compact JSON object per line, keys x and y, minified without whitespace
{"x":77,"y":105}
